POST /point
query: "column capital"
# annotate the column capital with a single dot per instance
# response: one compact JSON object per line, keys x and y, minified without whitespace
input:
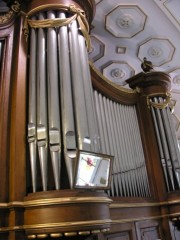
{"x":151,"y":82}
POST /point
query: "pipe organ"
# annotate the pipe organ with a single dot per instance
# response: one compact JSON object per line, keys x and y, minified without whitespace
{"x":167,"y":142}
{"x":59,"y":88}
{"x":120,"y":137}
{"x":53,"y":102}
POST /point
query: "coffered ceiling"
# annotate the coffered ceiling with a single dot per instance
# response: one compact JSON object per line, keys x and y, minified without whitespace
{"x":125,"y":31}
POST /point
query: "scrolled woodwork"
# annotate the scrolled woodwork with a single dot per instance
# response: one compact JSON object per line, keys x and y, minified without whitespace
{"x":7,"y":17}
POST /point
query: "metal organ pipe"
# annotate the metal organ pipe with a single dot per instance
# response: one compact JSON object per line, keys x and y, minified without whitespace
{"x":114,"y":188}
{"x":116,"y":146}
{"x":42,"y":137}
{"x":61,"y":100}
{"x":89,"y":102}
{"x":103,"y":127}
{"x":53,"y":101}
{"x":168,"y":132}
{"x":120,"y":163}
{"x":124,"y":154}
{"x":175,"y":144}
{"x":129,"y":159}
{"x":170,"y":142}
{"x":60,"y":91}
{"x":100,"y":125}
{"x":68,"y":127}
{"x":161,"y":152}
{"x":140,"y":163}
{"x":165,"y":147}
{"x":174,"y":137}
{"x":120,"y":136}
{"x":32,"y":126}
{"x":167,"y":144}
{"x":83,"y":137}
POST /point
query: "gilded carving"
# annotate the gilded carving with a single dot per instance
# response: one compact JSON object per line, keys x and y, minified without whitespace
{"x":6,"y":17}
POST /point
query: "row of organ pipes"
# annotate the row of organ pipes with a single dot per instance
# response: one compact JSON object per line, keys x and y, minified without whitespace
{"x":120,"y":137}
{"x":66,"y":114}
{"x":167,"y":142}
{"x":61,"y":112}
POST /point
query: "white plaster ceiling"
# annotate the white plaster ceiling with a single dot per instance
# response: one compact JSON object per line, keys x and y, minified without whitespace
{"x":125,"y":31}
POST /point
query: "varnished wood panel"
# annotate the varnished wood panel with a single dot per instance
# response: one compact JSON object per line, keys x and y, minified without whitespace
{"x":119,"y":236}
{"x":5,"y":83}
{"x":18,"y":137}
{"x":149,"y":230}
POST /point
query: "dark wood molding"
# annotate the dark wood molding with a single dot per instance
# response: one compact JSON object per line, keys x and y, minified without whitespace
{"x":6,"y":36}
{"x":151,"y":82}
{"x":66,"y":212}
{"x":111,"y":90}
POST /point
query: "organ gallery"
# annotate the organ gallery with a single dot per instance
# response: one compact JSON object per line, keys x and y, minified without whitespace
{"x":80,"y":156}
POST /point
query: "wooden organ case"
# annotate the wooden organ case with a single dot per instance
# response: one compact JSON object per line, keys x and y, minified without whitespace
{"x":53,"y":102}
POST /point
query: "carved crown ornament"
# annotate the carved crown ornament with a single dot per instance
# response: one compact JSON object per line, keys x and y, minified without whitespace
{"x":6,"y":17}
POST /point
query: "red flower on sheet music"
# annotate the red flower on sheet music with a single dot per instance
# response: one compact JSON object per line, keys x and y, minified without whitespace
{"x":89,"y":162}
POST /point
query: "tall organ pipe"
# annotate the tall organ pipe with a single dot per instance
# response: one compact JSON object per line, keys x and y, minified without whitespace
{"x":165,"y":146}
{"x":128,"y":157}
{"x":42,"y":137}
{"x":120,"y":163}
{"x":140,"y":163}
{"x":118,"y":129}
{"x":68,"y":128}
{"x":89,"y":101}
{"x":170,"y":142}
{"x":114,"y":146}
{"x":174,"y":137}
{"x":53,"y":102}
{"x":114,"y":188}
{"x":81,"y":120}
{"x":161,"y":152}
{"x":102,"y":126}
{"x":32,"y":110}
{"x":176,"y":146}
{"x":124,"y":167}
{"x":135,"y":170}
{"x":122,"y":174}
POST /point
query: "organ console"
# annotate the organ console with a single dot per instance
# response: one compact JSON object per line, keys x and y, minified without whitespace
{"x":54,"y":104}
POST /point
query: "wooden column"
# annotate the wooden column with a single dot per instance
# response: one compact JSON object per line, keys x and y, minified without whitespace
{"x":146,"y":84}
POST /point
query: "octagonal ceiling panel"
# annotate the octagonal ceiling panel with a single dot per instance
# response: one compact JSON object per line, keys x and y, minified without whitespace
{"x":115,"y":25}
{"x":175,"y":76}
{"x":171,"y":6}
{"x":158,"y":51}
{"x":172,"y":10}
{"x":125,"y":21}
{"x":97,"y":49}
{"x":118,"y":72}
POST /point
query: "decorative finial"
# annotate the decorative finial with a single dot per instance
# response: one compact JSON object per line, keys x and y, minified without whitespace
{"x":146,"y":65}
